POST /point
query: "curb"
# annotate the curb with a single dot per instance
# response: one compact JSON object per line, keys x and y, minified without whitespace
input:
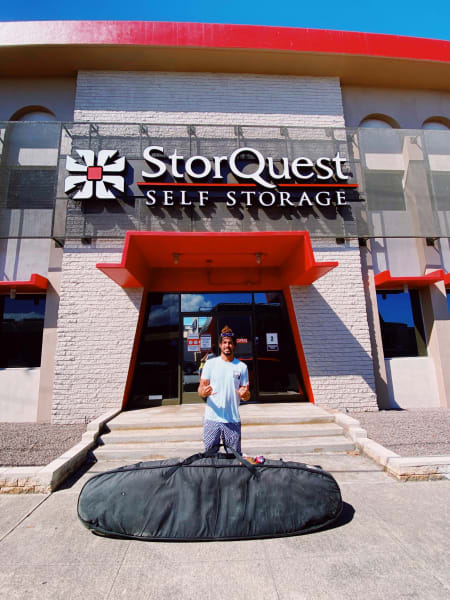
{"x":409,"y":468}
{"x":45,"y":480}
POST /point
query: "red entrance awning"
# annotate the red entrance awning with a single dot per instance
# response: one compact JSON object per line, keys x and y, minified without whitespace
{"x":37,"y":284}
{"x":385,"y":281}
{"x":179,"y":261}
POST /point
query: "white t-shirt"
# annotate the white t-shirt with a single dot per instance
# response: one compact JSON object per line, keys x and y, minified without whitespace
{"x":225,"y":379}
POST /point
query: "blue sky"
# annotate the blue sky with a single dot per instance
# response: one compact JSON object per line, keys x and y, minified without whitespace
{"x":415,"y":18}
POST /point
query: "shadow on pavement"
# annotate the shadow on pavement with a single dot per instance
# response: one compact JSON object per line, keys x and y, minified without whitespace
{"x":346,"y":516}
{"x":72,"y":479}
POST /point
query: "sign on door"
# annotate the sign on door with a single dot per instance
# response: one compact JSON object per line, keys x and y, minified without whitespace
{"x":272,"y":342}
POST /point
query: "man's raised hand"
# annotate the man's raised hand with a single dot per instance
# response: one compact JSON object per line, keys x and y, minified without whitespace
{"x":205,"y":389}
{"x":244,"y":392}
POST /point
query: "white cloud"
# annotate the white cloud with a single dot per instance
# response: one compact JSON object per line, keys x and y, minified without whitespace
{"x":193,"y":302}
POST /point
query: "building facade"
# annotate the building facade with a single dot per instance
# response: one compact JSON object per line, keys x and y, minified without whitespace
{"x":158,"y":181}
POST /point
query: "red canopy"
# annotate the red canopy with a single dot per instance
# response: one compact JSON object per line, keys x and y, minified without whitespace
{"x":179,"y":261}
{"x":36,"y":284}
{"x":385,"y":281}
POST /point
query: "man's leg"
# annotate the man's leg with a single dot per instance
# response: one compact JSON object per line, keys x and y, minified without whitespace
{"x":231,"y":435}
{"x":211,"y":434}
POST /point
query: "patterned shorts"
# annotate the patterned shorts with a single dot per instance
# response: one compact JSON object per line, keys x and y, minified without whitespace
{"x":214,"y":431}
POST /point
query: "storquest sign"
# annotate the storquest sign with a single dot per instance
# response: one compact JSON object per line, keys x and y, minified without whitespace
{"x":245,"y":176}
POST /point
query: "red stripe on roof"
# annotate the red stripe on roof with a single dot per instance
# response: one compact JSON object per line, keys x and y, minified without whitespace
{"x":205,"y":35}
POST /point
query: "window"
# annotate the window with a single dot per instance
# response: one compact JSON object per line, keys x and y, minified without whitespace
{"x":31,"y":141}
{"x":379,"y":122}
{"x":402,"y":328}
{"x":21,"y":328}
{"x":374,"y":124}
{"x":380,"y":145}
{"x":435,"y":124}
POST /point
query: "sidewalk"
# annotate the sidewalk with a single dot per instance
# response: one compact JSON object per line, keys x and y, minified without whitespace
{"x":421,"y":438}
{"x":393,"y":543}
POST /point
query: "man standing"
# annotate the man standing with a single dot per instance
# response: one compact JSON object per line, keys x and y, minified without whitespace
{"x":224,"y":382}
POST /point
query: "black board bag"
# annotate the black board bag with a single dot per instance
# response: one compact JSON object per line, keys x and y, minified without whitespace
{"x":209,"y":496}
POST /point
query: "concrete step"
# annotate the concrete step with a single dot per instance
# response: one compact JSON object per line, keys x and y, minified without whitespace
{"x":179,"y":434}
{"x":261,"y":420}
{"x":251,"y":447}
{"x":191,"y":415}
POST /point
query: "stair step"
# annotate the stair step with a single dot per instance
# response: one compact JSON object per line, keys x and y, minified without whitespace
{"x":160,"y":423}
{"x":293,"y":429}
{"x":153,"y":451}
{"x":124,"y":436}
{"x":182,"y":416}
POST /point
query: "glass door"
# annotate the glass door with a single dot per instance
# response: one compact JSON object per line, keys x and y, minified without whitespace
{"x":181,"y":332}
{"x":155,"y":378}
{"x":279,"y":377}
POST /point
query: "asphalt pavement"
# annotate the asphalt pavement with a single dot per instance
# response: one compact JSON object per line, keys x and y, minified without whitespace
{"x":393,"y":541}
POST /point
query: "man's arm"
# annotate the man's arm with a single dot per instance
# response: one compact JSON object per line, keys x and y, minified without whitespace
{"x":204,"y":389}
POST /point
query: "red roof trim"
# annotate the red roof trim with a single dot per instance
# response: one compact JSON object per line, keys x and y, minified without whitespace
{"x":207,"y":35}
{"x":36,"y":284}
{"x":447,"y":279}
{"x":384,"y":280}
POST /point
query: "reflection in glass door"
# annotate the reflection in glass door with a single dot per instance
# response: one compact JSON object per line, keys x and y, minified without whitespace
{"x":197,"y":346}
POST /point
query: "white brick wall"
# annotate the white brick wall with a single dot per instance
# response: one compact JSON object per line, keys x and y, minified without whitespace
{"x":96,"y":330}
{"x":332,"y":320}
{"x":97,"y":326}
{"x":208,"y":98}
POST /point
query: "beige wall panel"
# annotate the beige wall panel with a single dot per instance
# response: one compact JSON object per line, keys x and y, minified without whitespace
{"x":412,"y":382}
{"x":19,"y":258}
{"x":19,"y":390}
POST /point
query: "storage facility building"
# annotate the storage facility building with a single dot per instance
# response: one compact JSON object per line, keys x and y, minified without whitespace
{"x":161,"y":180}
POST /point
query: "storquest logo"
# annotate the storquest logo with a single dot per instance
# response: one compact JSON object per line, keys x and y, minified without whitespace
{"x":94,"y":179}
